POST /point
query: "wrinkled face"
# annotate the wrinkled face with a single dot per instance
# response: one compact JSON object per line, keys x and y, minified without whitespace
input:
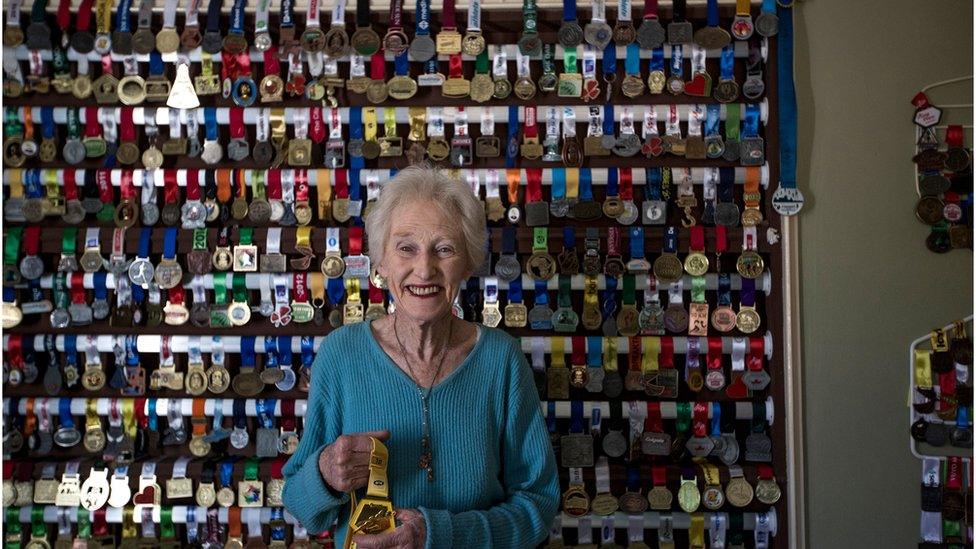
{"x":424,"y":262}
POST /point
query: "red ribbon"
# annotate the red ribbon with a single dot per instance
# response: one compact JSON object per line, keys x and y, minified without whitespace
{"x":533,"y":190}
{"x":377,"y":66}
{"x":192,"y":185}
{"x":666,"y":358}
{"x":70,"y":185}
{"x":171,"y":191}
{"x":237,"y":123}
{"x":653,"y":422}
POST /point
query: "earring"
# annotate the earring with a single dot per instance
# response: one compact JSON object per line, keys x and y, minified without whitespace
{"x":377,"y":279}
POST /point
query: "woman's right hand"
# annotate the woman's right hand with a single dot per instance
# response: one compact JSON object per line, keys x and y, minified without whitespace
{"x":344,"y":464}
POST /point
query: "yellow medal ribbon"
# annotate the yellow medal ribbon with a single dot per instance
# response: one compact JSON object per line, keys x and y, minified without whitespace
{"x":374,"y":513}
{"x":923,"y":369}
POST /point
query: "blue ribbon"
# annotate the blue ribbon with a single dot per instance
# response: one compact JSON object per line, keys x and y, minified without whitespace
{"x":569,"y":237}
{"x":576,"y":416}
{"x":724,"y":289}
{"x":712,"y":18}
{"x":594,"y":353}
{"x":210,"y":121}
{"x":336,"y":291}
{"x":213,"y":16}
{"x":248,"y":357}
{"x":716,"y":429}
{"x":610,"y":296}
{"x":169,"y":243}
{"x":240,"y":416}
{"x":423,"y":18}
{"x":610,"y":58}
{"x":237,"y":17}
{"x":156,"y":67}
{"x":511,"y":151}
{"x":541,"y":292}
{"x":508,"y":240}
{"x":637,"y":242}
{"x":677,"y":61}
{"x":48,"y":127}
{"x":515,"y":290}
{"x":787,"y":98}
{"x":558,"y":183}
{"x":657,"y":59}
{"x":284,"y":350}
{"x":671,"y":239}
{"x":123,"y":18}
{"x":713,"y":115}
{"x":632,"y":64}
{"x":727,"y":63}
{"x":287,"y":13}
{"x":612,"y":182}
{"x":64,"y":413}
{"x":750,"y":122}
{"x":356,"y":132}
{"x":569,"y":10}
{"x":401,"y":64}
{"x":586,"y":184}
{"x":101,"y":288}
{"x":153,"y":422}
{"x":653,"y":179}
{"x":608,"y":119}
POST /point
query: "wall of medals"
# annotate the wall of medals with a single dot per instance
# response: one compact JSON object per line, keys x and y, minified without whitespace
{"x":184,"y":192}
{"x":942,"y":433}
{"x":943,"y":177}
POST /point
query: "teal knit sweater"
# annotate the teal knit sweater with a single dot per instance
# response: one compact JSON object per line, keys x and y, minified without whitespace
{"x":495,"y":476}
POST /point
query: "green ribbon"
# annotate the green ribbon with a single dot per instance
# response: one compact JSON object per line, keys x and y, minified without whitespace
{"x":61,"y":291}
{"x":38,"y":526}
{"x":569,"y":59}
{"x":166,"y":528}
{"x":246,"y":236}
{"x":540,"y":239}
{"x":84,"y":523}
{"x":220,"y":289}
{"x":759,"y":422}
{"x":11,"y":249}
{"x":481,"y":62}
{"x":200,"y":239}
{"x":529,"y":15}
{"x":69,"y":240}
{"x":240,"y":287}
{"x":565,"y":298}
{"x":74,"y":123}
{"x":38,"y":11}
{"x":698,"y":289}
{"x":548,"y":58}
{"x":251,"y":469}
{"x":630,"y":286}
{"x":257,"y":184}
{"x":732,"y":121}
{"x":60,"y":62}
{"x":11,"y":123}
{"x":682,"y":420}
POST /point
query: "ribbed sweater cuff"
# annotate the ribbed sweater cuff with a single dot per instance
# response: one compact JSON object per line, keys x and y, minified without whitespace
{"x":316,"y":494}
{"x":440,"y":528}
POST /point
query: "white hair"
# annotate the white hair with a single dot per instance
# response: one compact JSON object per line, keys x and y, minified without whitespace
{"x":454,"y":198}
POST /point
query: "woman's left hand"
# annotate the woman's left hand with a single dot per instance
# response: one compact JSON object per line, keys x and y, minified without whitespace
{"x":411,"y":534}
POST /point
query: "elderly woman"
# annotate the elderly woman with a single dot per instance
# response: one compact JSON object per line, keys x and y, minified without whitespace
{"x":470,"y":463}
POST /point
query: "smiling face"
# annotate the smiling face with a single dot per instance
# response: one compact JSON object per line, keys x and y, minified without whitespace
{"x":424,"y":261}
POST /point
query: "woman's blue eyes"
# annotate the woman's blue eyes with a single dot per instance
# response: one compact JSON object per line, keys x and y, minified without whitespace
{"x":442,"y":250}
